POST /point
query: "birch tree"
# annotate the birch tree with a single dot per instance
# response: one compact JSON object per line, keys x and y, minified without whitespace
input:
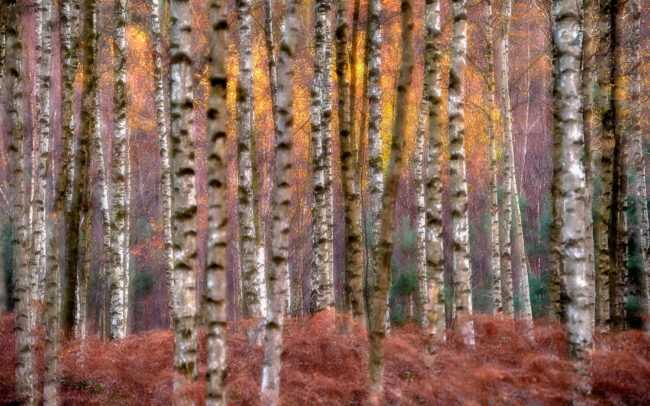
{"x":163,"y":139}
{"x":322,"y":271}
{"x":567,"y":43}
{"x":251,"y":252}
{"x":457,"y":175}
{"x":385,"y":243}
{"x":375,"y":142}
{"x":589,"y":38}
{"x":618,"y":221}
{"x":215,"y":273}
{"x":50,"y":293}
{"x":352,"y":205}
{"x":606,"y":36}
{"x":183,"y":192}
{"x":68,"y":12}
{"x":508,"y":169}
{"x":495,"y":260}
{"x":23,"y":321}
{"x":43,"y":28}
{"x":118,"y":178}
{"x":435,"y":264}
{"x":420,"y":211}
{"x":281,"y":222}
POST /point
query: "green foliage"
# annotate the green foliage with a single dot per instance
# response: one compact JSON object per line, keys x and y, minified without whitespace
{"x":142,"y":283}
{"x":398,"y":316}
{"x":539,"y":294}
{"x":405,"y":283}
{"x":633,"y":311}
{"x":406,"y":239}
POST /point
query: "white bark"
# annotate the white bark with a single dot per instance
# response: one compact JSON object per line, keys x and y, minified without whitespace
{"x":322,"y":270}
{"x":567,"y":44}
{"x":215,"y":273}
{"x":385,"y":243}
{"x":435,"y":264}
{"x":249,"y":222}
{"x":420,"y":213}
{"x":118,"y":179}
{"x":183,"y":193}
{"x":281,"y":222}
{"x":23,"y":322}
{"x":458,"y":177}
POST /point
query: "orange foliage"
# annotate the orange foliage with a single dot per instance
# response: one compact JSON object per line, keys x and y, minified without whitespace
{"x":322,"y":365}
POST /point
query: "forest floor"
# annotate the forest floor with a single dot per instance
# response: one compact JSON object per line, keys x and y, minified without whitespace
{"x":322,"y":366}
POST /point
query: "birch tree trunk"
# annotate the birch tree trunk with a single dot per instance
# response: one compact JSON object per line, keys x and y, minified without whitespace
{"x":322,"y":271}
{"x":641,"y":209}
{"x":589,"y":38}
{"x":118,"y":178}
{"x":568,"y":124}
{"x":420,"y":212}
{"x":163,"y":139}
{"x":87,"y":125}
{"x":508,"y":169}
{"x":495,"y":260}
{"x":23,"y":322}
{"x":435,"y":260}
{"x":618,"y":221}
{"x":280,"y":225}
{"x":183,"y":193}
{"x":126,"y":248}
{"x":50,"y":292}
{"x":458,"y":178}
{"x":352,"y":205}
{"x":385,"y":243}
{"x":249,"y":222}
{"x":215,"y":273}
{"x":69,"y":11}
{"x":606,"y":36}
{"x":375,"y":143}
{"x":44,"y":54}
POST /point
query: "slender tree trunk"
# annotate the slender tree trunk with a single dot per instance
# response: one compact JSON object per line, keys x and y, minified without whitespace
{"x":183,"y":194}
{"x":117,"y":286}
{"x":588,"y":88}
{"x":575,"y":212}
{"x":273,"y":83}
{"x":249,"y":222}
{"x":87,"y":127}
{"x":606,"y":35}
{"x":495,"y":260}
{"x":281,"y":222}
{"x":419,"y":158}
{"x":44,"y":52}
{"x":385,"y":243}
{"x":69,"y":61}
{"x":435,"y":260}
{"x":458,"y":178}
{"x":637,"y":150}
{"x":508,"y":169}
{"x":215,"y":273}
{"x":51,"y":283}
{"x":618,"y":221}
{"x":163,"y":139}
{"x":85,"y":241}
{"x":352,"y":207}
{"x":126,"y":248}
{"x":375,"y":144}
{"x":322,"y":271}
{"x":23,"y":322}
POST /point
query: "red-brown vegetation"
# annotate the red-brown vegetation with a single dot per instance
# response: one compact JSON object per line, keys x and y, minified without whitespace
{"x":323,"y":365}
